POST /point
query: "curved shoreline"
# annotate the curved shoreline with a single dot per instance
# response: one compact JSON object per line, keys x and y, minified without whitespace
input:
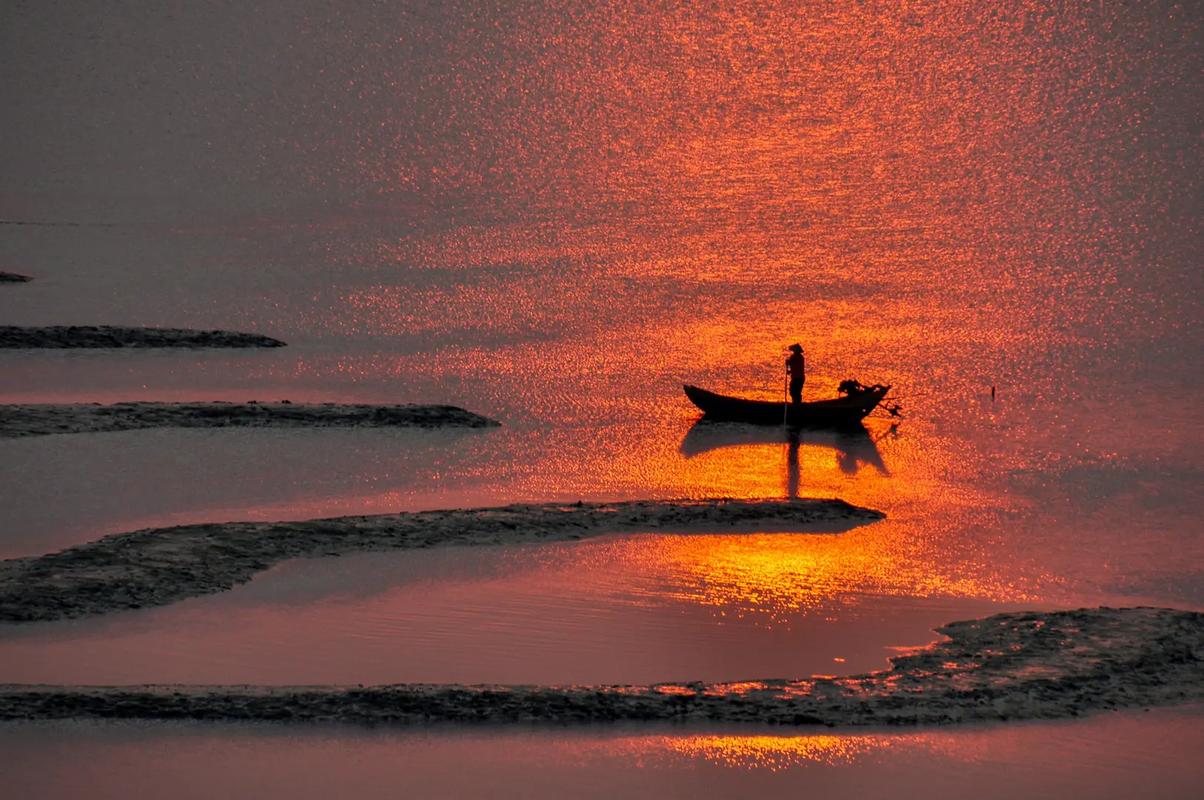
{"x":44,"y":419}
{"x":157,"y":566}
{"x":1016,"y":666}
{"x":115,"y":336}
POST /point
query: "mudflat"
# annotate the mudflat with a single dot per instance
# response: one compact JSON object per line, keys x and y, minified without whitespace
{"x":44,"y":419}
{"x":157,"y":566}
{"x":113,"y":336}
{"x":1014,"y":666}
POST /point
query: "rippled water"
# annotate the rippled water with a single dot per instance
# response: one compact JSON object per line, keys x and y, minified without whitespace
{"x":555,"y":215}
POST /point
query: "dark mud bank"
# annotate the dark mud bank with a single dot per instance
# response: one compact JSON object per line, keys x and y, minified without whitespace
{"x":42,"y":420}
{"x":109,"y":336}
{"x":1019,"y":666}
{"x":154,"y":567}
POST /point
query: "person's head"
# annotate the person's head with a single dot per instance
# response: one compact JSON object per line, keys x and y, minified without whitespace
{"x":796,"y":347}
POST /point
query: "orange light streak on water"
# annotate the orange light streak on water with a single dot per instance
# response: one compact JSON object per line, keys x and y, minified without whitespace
{"x":770,"y":578}
{"x":768,"y":753}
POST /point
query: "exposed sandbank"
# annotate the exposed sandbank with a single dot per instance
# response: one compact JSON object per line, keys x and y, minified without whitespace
{"x":98,"y":336}
{"x":13,"y":277}
{"x":41,"y":420}
{"x":157,"y":566}
{"x":1017,"y":666}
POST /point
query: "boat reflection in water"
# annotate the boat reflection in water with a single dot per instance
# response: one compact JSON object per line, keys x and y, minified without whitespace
{"x":855,"y":447}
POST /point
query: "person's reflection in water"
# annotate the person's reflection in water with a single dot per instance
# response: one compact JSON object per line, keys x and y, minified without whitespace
{"x":792,"y":466}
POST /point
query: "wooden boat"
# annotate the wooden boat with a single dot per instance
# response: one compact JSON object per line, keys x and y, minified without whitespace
{"x":844,"y":411}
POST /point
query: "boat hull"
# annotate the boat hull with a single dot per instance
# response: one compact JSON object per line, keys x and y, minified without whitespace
{"x":839,"y":412}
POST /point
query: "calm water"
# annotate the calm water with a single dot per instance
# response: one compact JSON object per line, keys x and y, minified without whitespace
{"x":555,"y":216}
{"x":1111,"y":758}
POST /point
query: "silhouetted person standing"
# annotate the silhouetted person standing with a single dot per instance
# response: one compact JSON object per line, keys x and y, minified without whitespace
{"x":796,"y":367}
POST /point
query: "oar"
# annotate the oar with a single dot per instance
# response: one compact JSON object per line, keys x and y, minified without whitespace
{"x":785,"y":397}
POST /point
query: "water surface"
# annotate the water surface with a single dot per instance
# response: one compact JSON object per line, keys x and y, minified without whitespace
{"x":556,"y":214}
{"x":1114,"y":756}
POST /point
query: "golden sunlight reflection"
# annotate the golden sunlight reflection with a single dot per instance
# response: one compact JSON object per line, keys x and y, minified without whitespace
{"x":623,"y":428}
{"x":773,"y":753}
{"x":792,"y":468}
{"x":767,"y":753}
{"x":769,"y":578}
{"x":608,"y":420}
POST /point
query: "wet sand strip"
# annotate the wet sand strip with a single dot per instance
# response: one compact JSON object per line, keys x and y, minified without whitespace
{"x":154,"y":567}
{"x":42,"y":420}
{"x":110,"y":336}
{"x":1016,"y":666}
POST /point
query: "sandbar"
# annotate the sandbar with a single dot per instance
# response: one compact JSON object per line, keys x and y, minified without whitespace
{"x":42,"y":419}
{"x":157,"y":566}
{"x":112,"y":336}
{"x":1012,"y":666}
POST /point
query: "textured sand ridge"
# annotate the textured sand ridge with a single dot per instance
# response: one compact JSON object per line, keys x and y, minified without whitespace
{"x":40,"y":420}
{"x":158,"y":566}
{"x":96,"y":336}
{"x":1007,"y":667}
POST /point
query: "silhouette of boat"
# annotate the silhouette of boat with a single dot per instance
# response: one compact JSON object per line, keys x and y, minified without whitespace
{"x":839,"y":412}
